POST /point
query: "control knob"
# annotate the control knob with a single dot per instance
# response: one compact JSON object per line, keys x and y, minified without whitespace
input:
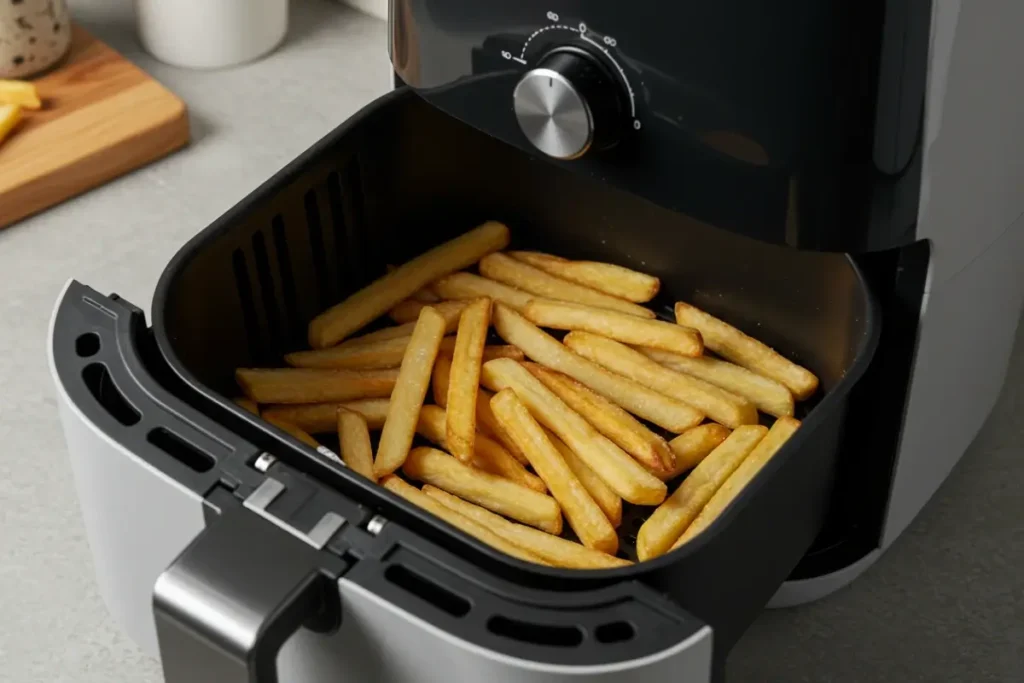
{"x":570,"y":103}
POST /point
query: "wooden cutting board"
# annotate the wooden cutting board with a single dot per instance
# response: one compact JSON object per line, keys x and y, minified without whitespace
{"x":102,"y":116}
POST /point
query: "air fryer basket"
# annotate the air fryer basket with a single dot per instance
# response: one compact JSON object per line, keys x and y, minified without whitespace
{"x":400,"y":177}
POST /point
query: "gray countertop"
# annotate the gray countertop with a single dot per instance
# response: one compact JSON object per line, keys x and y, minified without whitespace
{"x":944,"y":604}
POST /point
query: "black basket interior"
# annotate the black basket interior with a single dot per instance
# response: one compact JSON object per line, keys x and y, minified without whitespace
{"x":401,"y":177}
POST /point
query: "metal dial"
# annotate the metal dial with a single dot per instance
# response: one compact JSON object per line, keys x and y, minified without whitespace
{"x":568,"y":104}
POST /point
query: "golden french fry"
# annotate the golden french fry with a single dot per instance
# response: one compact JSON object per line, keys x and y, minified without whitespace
{"x":294,"y":431}
{"x":535,"y":281}
{"x":20,"y":93}
{"x":668,"y":522}
{"x":305,"y":385}
{"x":694,"y":445}
{"x":776,"y":438}
{"x":381,"y":335}
{"x":585,"y":517}
{"x":605,"y":498}
{"x":620,"y":472}
{"x":490,"y":352}
{"x":464,"y":378}
{"x":485,"y":420}
{"x":354,"y":439}
{"x":605,"y":277}
{"x":321,"y":418}
{"x":408,"y":311}
{"x":461,"y":522}
{"x":488,"y":454}
{"x":410,"y":390}
{"x":248,"y":404}
{"x":744,"y":350}
{"x":461,"y":286}
{"x":765,"y":393}
{"x":424,"y":295}
{"x":367,"y":356}
{"x":561,"y":315}
{"x":666,"y":412}
{"x":344,"y":318}
{"x":609,"y":419}
{"x":431,"y":466}
{"x":558,"y":551}
{"x":715,"y":402}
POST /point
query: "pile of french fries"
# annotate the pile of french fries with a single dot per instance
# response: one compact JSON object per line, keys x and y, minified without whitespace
{"x":537,"y":436}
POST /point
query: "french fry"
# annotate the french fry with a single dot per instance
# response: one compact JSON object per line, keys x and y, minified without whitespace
{"x":609,"y":419}
{"x":431,"y":466}
{"x":490,"y":352}
{"x":464,"y":378}
{"x":460,"y":286}
{"x":461,"y":522}
{"x":718,"y":404}
{"x":408,"y":311}
{"x":344,"y":318}
{"x":248,"y":404}
{"x":378,"y":355}
{"x":321,"y":418}
{"x":410,"y":390}
{"x":558,"y":551}
{"x":606,"y":499}
{"x":295,"y":432}
{"x":620,"y":472}
{"x":369,"y":356}
{"x":20,"y":93}
{"x":488,"y":454}
{"x":386,"y":334}
{"x":731,"y":344}
{"x":10,"y":117}
{"x":305,"y":385}
{"x":776,"y":438}
{"x":666,"y":412}
{"x":486,"y":423}
{"x":668,"y":522}
{"x":693,"y":445}
{"x":561,"y":315}
{"x":605,"y":277}
{"x":585,"y":517}
{"x":354,"y":439}
{"x":768,"y":395}
{"x":535,"y":281}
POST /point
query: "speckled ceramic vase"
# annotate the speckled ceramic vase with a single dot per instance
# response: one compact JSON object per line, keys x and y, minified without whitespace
{"x":34,"y":35}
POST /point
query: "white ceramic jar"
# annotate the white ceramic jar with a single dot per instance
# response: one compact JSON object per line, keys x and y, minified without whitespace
{"x":209,"y":34}
{"x":34,"y":36}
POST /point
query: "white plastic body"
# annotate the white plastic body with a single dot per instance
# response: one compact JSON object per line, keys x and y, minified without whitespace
{"x":374,"y":8}
{"x":210,"y":34}
{"x":972,"y":213}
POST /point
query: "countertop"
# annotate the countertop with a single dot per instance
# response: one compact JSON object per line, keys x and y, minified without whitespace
{"x":943,"y":604}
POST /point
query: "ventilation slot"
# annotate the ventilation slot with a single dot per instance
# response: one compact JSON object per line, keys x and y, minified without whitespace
{"x":87,"y":344}
{"x":615,"y":632}
{"x":345,"y":249}
{"x":101,"y":386}
{"x":246,"y":305}
{"x":535,"y":634}
{"x":364,"y":242}
{"x":427,"y":590}
{"x":284,"y":264}
{"x":316,"y":244}
{"x":266,"y":279}
{"x":179,"y":449}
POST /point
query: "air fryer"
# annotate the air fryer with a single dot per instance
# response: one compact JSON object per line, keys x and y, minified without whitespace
{"x":754,"y":164}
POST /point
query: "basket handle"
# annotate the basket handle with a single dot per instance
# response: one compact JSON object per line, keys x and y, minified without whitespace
{"x":228,"y":603}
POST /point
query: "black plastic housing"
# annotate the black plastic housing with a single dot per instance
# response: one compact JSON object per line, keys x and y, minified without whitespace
{"x":401,"y":176}
{"x":796,"y":122}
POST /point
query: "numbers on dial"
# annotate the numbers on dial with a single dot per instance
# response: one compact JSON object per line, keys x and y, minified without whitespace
{"x":610,"y":42}
{"x":552,"y":16}
{"x":583,"y":28}
{"x":636,"y":124}
{"x":506,"y":54}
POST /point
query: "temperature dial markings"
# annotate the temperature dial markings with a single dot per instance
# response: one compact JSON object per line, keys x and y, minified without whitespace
{"x":542,"y":30}
{"x":622,"y":73}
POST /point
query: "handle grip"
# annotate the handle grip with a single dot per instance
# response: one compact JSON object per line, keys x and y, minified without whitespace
{"x":229,"y":602}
